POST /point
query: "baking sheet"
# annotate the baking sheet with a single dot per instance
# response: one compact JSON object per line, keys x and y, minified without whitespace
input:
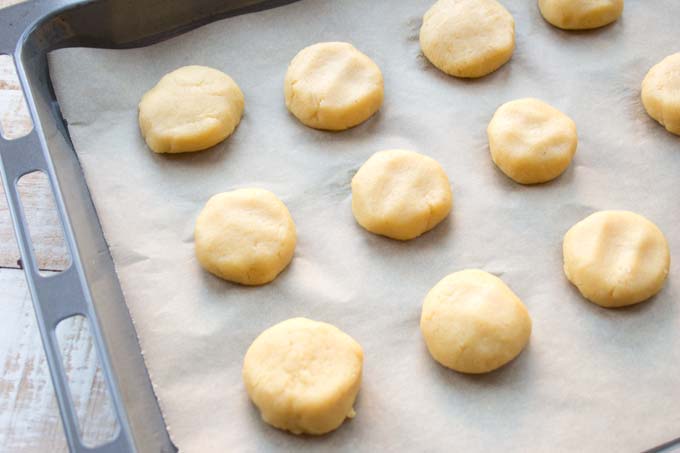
{"x":590,"y":380}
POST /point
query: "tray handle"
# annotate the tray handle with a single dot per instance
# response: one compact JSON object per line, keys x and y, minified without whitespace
{"x":58,"y":296}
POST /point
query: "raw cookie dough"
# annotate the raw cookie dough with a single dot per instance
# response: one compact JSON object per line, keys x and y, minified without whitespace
{"x":400,"y":194}
{"x":661,"y":93}
{"x":333,"y":86}
{"x":473,"y":323}
{"x":245,"y":236}
{"x":190,"y":109}
{"x":467,"y":38}
{"x":303,"y":375}
{"x":531,"y":141}
{"x":616,"y":258}
{"x":580,"y":14}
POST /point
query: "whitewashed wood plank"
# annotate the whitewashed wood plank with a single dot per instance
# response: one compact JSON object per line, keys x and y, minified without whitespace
{"x":6,"y":3}
{"x":44,"y":226}
{"x":14,"y":118}
{"x":29,"y":418}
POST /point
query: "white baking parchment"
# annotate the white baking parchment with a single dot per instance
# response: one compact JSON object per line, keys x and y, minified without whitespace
{"x":591,"y":379}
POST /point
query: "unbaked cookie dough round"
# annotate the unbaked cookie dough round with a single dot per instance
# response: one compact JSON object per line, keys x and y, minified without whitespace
{"x":467,"y":38}
{"x":616,"y":258}
{"x":580,"y":14}
{"x":531,"y":141}
{"x":333,"y":86}
{"x":473,"y":323}
{"x":190,"y":109}
{"x":303,"y":375}
{"x":661,"y":93}
{"x":400,"y":194}
{"x":245,"y":236}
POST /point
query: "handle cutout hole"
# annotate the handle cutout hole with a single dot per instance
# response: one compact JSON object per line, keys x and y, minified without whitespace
{"x":97,"y":422}
{"x":44,"y":227}
{"x":15,"y":121}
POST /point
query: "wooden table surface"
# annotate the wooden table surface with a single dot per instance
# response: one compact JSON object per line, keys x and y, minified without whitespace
{"x":29,"y":417}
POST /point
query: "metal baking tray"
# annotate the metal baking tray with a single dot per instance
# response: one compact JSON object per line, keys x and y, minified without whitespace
{"x":89,"y":286}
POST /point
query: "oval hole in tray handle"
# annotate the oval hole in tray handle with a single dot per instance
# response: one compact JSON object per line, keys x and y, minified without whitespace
{"x":62,"y":295}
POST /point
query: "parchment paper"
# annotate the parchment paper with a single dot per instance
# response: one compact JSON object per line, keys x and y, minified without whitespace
{"x":591,"y":379}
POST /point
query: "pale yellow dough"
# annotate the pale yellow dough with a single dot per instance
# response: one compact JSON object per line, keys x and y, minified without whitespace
{"x":473,"y":323}
{"x":661,"y":93}
{"x":467,"y":38}
{"x":190,"y":109}
{"x":303,"y":375}
{"x":580,"y":14}
{"x":531,"y":141}
{"x":616,"y":258}
{"x":400,"y":194}
{"x":333,"y":86}
{"x":245,"y":236}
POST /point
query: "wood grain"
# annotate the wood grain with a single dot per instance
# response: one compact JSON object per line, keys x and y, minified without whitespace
{"x":44,"y":226}
{"x":29,"y":417}
{"x":14,"y":118}
{"x":6,"y":3}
